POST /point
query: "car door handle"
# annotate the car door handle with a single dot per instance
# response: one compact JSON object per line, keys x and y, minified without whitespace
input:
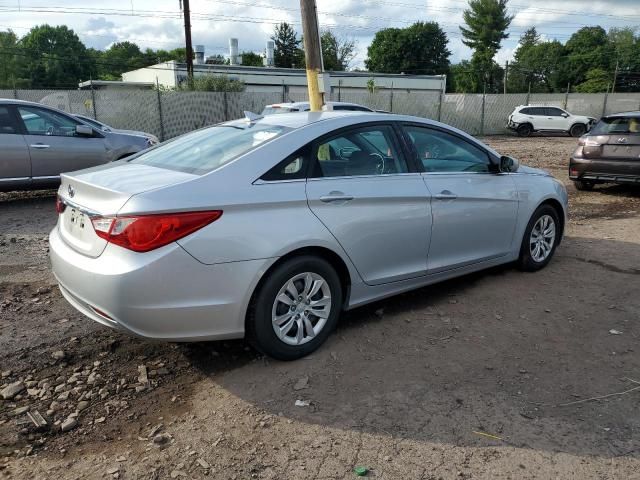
{"x":336,"y":197}
{"x":445,"y":195}
{"x":39,"y":146}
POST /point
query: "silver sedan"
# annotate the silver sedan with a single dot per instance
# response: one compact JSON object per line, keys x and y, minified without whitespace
{"x":268,"y":228}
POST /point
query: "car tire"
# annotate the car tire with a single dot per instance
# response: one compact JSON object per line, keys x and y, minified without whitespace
{"x":298,"y":336}
{"x":524,"y":130}
{"x":578,"y":130}
{"x":532,"y":259}
{"x":583,"y":185}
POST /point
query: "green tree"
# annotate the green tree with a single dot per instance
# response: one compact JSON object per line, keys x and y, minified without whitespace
{"x":626,"y":44}
{"x":337,"y":53}
{"x":588,"y":48}
{"x":119,"y":58}
{"x":252,"y":59}
{"x":486,"y":26}
{"x":53,"y":57}
{"x":217,"y":60}
{"x":419,"y":48}
{"x":596,"y":80}
{"x":8,"y":57}
{"x":539,"y":65}
{"x":287,"y":52}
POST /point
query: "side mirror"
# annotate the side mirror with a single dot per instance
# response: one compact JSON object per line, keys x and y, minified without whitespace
{"x":565,"y":115}
{"x":84,"y":131}
{"x":508,"y":164}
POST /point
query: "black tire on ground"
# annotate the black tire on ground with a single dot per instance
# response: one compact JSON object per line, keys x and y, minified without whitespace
{"x":583,"y":185}
{"x":524,"y":130}
{"x":526,"y":261}
{"x":578,"y":130}
{"x":260,"y":332}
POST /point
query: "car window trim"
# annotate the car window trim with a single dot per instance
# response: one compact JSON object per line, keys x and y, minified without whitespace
{"x":314,"y":166}
{"x":493,"y":161}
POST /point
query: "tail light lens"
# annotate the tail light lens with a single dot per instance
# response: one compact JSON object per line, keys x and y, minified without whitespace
{"x":142,"y":233}
{"x":588,"y":141}
{"x":60,"y":205}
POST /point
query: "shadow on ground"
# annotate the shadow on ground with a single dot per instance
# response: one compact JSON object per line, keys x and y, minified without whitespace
{"x":494,"y":352}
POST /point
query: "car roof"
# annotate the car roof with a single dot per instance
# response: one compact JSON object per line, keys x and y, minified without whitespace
{"x":635,"y":113}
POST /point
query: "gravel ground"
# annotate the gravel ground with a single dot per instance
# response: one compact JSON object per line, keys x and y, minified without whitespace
{"x":490,"y":376}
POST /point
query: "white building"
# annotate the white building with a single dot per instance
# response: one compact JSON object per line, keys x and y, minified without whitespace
{"x":286,"y":80}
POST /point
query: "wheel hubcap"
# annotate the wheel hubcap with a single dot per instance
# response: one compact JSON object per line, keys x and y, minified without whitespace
{"x":301,"y":308}
{"x":542,"y":238}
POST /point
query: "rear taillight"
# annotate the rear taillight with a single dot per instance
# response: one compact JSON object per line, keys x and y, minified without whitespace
{"x":142,"y":233}
{"x":588,"y":141}
{"x":60,"y":205}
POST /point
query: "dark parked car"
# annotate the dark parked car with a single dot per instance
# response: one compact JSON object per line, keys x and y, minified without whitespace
{"x":38,"y":143}
{"x":609,"y":153}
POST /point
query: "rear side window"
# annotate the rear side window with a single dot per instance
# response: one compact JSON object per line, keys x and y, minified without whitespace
{"x":8,"y":123}
{"x":621,"y":125}
{"x":293,"y":167}
{"x":205,"y":150}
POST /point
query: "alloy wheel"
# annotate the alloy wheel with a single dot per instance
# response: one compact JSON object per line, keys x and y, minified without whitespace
{"x":543,"y":236}
{"x":301,"y":308}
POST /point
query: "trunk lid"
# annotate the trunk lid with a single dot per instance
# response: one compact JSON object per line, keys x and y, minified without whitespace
{"x":102,"y":191}
{"x":622,"y":146}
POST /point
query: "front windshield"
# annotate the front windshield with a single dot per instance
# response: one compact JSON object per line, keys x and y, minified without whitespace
{"x":205,"y":150}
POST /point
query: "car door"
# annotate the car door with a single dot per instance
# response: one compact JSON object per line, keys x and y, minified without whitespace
{"x":474,"y":209}
{"x":54,"y":146}
{"x":15,"y":164}
{"x":377,"y":207}
{"x":556,"y":119}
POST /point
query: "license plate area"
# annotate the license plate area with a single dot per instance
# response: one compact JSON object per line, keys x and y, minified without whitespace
{"x":77,"y":232}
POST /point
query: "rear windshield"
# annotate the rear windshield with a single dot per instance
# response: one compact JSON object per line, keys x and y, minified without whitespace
{"x":205,"y":150}
{"x":272,"y":110}
{"x":615,"y":125}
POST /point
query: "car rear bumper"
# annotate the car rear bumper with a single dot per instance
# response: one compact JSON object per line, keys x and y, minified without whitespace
{"x":598,"y":170}
{"x":163,"y":294}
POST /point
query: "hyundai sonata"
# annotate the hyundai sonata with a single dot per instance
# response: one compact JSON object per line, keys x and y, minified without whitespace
{"x":269,"y":227}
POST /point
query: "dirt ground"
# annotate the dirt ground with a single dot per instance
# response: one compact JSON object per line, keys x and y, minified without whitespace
{"x":489,"y":376}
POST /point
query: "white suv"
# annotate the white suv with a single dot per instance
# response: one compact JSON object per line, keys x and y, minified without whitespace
{"x":526,"y":119}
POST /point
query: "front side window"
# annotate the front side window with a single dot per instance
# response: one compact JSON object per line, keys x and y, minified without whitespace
{"x":205,"y":150}
{"x":365,"y":151}
{"x":620,"y":125}
{"x":554,"y":112}
{"x":39,"y":121}
{"x":442,"y":152}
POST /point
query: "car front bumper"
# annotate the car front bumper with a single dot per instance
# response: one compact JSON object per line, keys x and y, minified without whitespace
{"x":609,"y":170}
{"x":163,"y":294}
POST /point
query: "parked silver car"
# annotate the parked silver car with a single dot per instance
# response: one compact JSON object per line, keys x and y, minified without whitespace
{"x":37,"y":143}
{"x":108,"y":128}
{"x":269,"y":228}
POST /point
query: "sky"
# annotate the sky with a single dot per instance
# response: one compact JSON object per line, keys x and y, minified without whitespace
{"x":158,"y":24}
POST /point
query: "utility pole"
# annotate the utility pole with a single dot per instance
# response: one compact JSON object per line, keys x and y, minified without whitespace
{"x":312,"y":51}
{"x":615,"y":76}
{"x":184,"y":4}
{"x":506,"y":73}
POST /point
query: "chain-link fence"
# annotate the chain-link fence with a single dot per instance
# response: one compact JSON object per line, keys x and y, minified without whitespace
{"x":169,"y":114}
